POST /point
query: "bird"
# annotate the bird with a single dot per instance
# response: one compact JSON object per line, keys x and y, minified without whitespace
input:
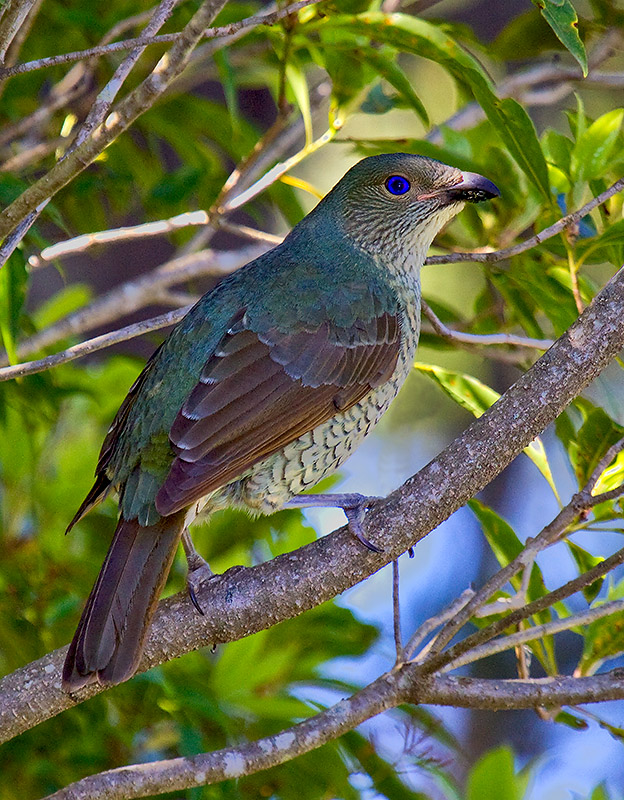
{"x":264,"y":388}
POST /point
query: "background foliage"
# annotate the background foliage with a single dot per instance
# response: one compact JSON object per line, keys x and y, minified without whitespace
{"x":441,"y":79}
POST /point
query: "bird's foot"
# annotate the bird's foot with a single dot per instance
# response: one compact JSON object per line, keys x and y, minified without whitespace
{"x":198,"y":570}
{"x":353,"y":504}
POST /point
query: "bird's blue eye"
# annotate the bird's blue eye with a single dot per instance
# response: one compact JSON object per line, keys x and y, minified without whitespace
{"x":397,"y":184}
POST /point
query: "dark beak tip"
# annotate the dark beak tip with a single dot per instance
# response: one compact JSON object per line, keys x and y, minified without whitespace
{"x":474,"y":188}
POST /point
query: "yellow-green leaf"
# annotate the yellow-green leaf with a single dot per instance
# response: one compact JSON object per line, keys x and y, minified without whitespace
{"x":594,"y":147}
{"x":476,"y":397}
{"x":562,"y":18}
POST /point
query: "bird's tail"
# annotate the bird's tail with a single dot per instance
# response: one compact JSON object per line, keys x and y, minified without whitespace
{"x":109,"y":640}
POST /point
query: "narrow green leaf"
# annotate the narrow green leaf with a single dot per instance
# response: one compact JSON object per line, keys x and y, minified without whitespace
{"x":228,"y":79}
{"x":562,"y":18}
{"x":64,"y":302}
{"x":586,"y":561}
{"x":593,"y":149}
{"x":297,"y":82}
{"x":413,"y":35}
{"x":517,"y":130}
{"x":390,"y":71}
{"x":476,"y":397}
{"x":13,"y":285}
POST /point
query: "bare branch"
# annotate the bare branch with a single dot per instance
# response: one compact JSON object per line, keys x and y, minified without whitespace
{"x":405,"y":684}
{"x":141,"y":292}
{"x":127,"y":110}
{"x":91,"y":345}
{"x":12,"y":19}
{"x":460,"y":337}
{"x":533,"y":241}
{"x":147,"y":40}
{"x":129,"y":232}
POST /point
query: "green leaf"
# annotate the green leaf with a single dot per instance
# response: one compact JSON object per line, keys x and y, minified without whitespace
{"x":604,"y":639}
{"x":390,"y":71}
{"x":476,"y":397}
{"x":586,"y":561}
{"x":558,"y":149}
{"x":468,"y":392}
{"x":594,"y":438}
{"x":413,"y":35}
{"x":594,"y":147}
{"x":562,"y":18}
{"x":64,"y":302}
{"x":612,"y":477}
{"x":494,"y":776}
{"x":517,"y":131}
{"x":13,"y":285}
{"x":297,"y":82}
{"x":571,"y":721}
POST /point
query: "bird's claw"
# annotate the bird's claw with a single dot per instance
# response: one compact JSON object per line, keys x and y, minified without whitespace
{"x":355,"y":513}
{"x":198,"y":574}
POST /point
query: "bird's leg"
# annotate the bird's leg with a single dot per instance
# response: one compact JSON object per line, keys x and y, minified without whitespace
{"x":353,"y":504}
{"x":198,"y":569}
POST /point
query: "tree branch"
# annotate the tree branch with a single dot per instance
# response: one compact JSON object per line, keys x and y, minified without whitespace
{"x":146,"y":40}
{"x":239,"y":601}
{"x":403,"y":685}
{"x":138,"y":293}
{"x":127,"y":110}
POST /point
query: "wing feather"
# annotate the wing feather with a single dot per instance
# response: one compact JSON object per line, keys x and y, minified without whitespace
{"x":260,"y":391}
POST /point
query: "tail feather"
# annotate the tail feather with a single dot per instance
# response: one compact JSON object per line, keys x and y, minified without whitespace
{"x":109,"y":640}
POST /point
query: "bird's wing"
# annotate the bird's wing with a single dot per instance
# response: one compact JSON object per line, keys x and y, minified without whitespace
{"x":261,"y":390}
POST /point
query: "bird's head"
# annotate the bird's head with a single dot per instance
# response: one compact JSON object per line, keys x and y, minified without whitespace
{"x":398,"y":202}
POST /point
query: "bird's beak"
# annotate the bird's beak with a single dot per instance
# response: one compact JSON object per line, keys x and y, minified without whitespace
{"x":473,"y":188}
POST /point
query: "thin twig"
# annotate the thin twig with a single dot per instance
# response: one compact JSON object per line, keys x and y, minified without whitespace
{"x":481,"y":339}
{"x":434,"y":622}
{"x":581,"y":501}
{"x":147,"y":40}
{"x":396,"y":613}
{"x":91,"y":345}
{"x":536,"y":632}
{"x":138,"y":293}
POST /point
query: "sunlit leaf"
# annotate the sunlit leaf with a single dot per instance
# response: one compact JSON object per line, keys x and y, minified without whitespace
{"x":476,"y":397}
{"x":494,"y":775}
{"x":593,"y":149}
{"x":562,"y":18}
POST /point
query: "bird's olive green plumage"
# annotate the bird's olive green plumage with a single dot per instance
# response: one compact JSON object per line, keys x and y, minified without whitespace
{"x":266,"y":386}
